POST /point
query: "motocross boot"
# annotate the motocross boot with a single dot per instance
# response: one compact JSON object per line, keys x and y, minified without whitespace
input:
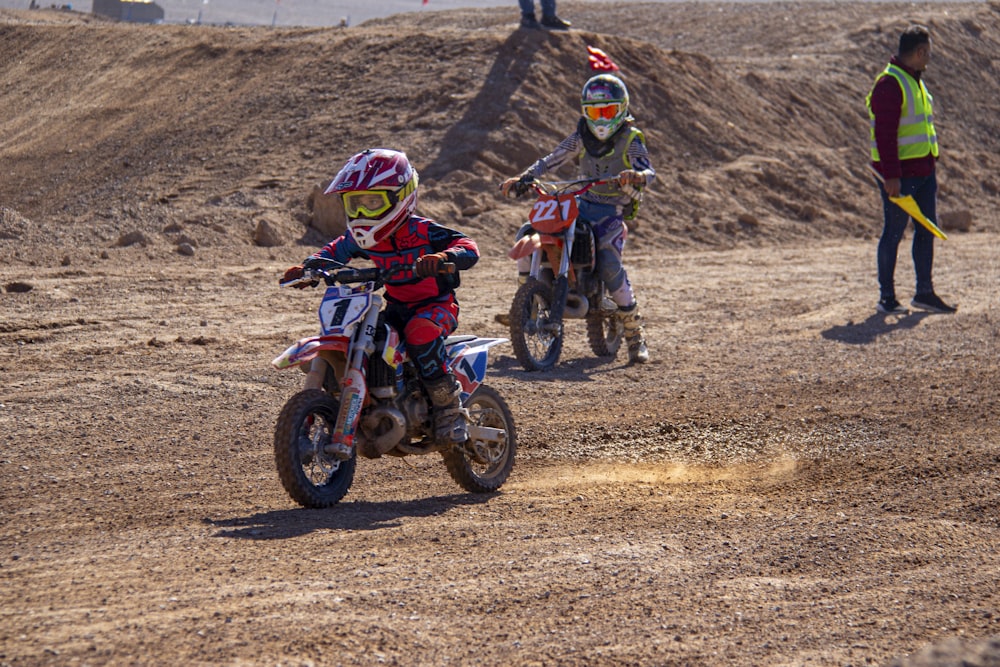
{"x":450,"y":420}
{"x":631,"y":319}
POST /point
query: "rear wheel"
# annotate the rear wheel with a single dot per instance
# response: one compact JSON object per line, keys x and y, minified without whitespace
{"x":311,"y":477}
{"x":604,"y":333}
{"x":535,"y":335}
{"x":483,"y":463}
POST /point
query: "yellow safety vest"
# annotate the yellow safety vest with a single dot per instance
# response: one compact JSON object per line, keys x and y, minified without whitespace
{"x":916,"y":134}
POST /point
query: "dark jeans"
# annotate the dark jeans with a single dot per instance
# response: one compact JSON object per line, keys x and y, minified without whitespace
{"x":924,"y":191}
{"x":548,"y":7}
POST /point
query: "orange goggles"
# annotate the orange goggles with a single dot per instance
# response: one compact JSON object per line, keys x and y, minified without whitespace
{"x":602,"y":111}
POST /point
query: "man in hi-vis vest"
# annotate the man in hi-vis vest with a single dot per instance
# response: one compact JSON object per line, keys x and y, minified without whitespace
{"x":904,"y":150}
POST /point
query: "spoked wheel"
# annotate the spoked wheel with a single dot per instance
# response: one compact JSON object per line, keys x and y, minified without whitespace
{"x":604,"y":333}
{"x":484,"y":462}
{"x":536,"y":337}
{"x":311,"y":477}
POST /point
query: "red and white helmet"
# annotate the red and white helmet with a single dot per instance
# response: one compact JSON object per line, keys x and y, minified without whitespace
{"x":379,"y":190}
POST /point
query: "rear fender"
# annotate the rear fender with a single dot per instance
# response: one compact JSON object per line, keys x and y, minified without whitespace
{"x":467,"y":359}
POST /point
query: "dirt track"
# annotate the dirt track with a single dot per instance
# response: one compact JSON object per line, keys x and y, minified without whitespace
{"x":794,"y":480}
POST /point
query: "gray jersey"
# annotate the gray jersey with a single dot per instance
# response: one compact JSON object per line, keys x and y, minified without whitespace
{"x":629,"y":152}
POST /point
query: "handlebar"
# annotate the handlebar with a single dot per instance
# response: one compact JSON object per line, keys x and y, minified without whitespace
{"x":574,"y":187}
{"x":351,"y":276}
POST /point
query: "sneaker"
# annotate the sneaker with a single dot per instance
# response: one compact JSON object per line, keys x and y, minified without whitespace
{"x":529,"y":22}
{"x":890,"y":306}
{"x":932,"y":302}
{"x":555,"y":23}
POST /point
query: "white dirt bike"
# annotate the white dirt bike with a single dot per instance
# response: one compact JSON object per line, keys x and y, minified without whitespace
{"x":363,"y":396}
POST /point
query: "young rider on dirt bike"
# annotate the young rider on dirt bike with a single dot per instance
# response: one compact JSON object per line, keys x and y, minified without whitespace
{"x":607,"y":143}
{"x":379,"y":190}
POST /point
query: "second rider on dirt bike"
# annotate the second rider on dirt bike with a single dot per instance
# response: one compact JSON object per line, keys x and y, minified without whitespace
{"x":379,"y":190}
{"x":607,"y":143}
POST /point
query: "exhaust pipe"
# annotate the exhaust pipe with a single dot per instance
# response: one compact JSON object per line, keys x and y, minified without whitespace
{"x":389,"y":426}
{"x":576,"y":306}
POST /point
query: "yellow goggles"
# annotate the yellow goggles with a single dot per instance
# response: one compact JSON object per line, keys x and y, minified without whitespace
{"x":606,"y":111}
{"x":368,"y":203}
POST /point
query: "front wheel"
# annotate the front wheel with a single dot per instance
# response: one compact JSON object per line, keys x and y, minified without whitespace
{"x":484,"y":462}
{"x":311,"y":477}
{"x":535,"y":334}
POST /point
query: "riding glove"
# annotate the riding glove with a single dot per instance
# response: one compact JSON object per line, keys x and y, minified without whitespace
{"x":428,"y":265}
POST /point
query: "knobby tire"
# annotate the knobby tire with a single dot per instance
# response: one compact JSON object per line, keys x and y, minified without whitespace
{"x":536,"y":348}
{"x":486,"y":408}
{"x":311,"y":477}
{"x":604,"y":333}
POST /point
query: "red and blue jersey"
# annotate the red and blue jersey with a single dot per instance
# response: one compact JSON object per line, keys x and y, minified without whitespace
{"x":417,"y":237}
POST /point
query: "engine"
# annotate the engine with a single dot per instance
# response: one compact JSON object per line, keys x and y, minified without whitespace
{"x":399,"y":412}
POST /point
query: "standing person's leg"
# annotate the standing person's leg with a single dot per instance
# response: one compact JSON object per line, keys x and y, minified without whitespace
{"x":549,"y":18}
{"x":894,"y":221}
{"x":528,"y":18}
{"x":924,"y":191}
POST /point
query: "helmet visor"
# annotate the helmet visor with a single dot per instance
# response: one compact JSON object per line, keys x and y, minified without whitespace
{"x":605,"y":111}
{"x":368,"y":203}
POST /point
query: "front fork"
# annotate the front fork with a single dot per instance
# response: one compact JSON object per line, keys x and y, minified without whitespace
{"x":316,"y":374}
{"x":353,"y":389}
{"x":560,"y":288}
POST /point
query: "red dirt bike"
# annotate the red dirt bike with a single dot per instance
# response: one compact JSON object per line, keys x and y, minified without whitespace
{"x":363,"y":395}
{"x":563,"y":282}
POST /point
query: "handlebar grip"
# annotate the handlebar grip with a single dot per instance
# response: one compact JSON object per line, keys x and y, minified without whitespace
{"x":447,"y":267}
{"x":309,"y":277}
{"x":347,"y":276}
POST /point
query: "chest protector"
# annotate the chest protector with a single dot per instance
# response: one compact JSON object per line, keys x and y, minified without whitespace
{"x":610,"y":162}
{"x":916,"y":134}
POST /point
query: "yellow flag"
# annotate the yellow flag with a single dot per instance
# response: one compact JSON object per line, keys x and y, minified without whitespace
{"x":909,"y":204}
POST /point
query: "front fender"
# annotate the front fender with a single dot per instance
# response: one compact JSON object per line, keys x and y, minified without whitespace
{"x":308,"y":349}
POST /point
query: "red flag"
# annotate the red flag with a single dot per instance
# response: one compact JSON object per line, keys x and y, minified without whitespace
{"x":599,"y":60}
